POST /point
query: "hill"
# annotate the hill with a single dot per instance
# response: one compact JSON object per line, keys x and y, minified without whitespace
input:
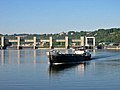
{"x":102,"y":35}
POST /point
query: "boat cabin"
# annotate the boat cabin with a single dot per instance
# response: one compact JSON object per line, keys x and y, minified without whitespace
{"x":80,"y":51}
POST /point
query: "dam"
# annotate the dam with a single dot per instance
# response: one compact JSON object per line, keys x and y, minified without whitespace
{"x":21,"y":42}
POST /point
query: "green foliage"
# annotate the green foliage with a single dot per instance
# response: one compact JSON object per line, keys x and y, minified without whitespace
{"x":102,"y":35}
{"x":108,"y":35}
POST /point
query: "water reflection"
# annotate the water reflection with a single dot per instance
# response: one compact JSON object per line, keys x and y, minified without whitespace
{"x":2,"y":56}
{"x":20,"y":72}
{"x":61,"y":68}
{"x":34,"y":55}
{"x":17,"y":56}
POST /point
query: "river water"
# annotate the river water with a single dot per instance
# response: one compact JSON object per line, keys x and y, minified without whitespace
{"x":29,"y":70}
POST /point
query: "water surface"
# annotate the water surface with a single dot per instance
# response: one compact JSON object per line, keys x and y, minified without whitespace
{"x":29,"y":70}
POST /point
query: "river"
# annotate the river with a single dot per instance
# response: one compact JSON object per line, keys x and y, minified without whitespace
{"x":29,"y":70}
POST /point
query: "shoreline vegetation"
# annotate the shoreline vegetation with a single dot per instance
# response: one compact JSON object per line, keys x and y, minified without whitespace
{"x":103,"y":37}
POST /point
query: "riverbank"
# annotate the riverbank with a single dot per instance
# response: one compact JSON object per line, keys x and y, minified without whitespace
{"x":112,"y":47}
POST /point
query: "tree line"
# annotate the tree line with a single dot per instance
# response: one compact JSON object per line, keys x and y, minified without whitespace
{"x":102,"y":35}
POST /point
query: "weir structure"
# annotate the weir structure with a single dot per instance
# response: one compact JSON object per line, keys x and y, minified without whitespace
{"x":36,"y":43}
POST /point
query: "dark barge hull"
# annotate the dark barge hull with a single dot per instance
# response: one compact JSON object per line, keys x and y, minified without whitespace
{"x":68,"y":58}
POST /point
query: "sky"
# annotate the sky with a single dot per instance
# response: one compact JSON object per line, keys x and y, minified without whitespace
{"x":55,"y":16}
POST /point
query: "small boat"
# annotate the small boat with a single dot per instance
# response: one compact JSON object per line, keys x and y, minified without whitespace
{"x":71,"y":56}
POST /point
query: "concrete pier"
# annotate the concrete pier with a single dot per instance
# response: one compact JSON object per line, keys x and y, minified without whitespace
{"x":66,"y":42}
{"x":51,"y":45}
{"x":82,"y":41}
{"x":18,"y":42}
{"x":2,"y":42}
{"x":34,"y":43}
